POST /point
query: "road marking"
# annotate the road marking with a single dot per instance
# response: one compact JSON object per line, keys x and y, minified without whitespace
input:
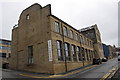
{"x":109,"y":74}
{"x":105,"y":76}
{"x":55,"y":76}
{"x":25,"y":75}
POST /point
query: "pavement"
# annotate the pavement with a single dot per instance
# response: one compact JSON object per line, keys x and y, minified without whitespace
{"x":91,"y":72}
{"x":24,"y":74}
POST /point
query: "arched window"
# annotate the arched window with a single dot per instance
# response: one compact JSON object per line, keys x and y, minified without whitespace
{"x":67,"y":51}
{"x":59,"y":50}
{"x":74,"y":52}
{"x":79,"y":54}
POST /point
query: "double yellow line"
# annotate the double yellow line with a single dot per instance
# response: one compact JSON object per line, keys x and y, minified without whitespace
{"x":109,"y":74}
{"x":56,"y":76}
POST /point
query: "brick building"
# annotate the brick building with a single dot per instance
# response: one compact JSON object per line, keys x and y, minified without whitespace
{"x":44,"y":43}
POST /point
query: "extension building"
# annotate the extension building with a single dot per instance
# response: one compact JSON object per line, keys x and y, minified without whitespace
{"x":5,"y":52}
{"x":44,"y":43}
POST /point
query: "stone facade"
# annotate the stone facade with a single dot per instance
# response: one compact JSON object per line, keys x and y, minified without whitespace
{"x":112,"y":51}
{"x":94,"y":34}
{"x":43,"y":43}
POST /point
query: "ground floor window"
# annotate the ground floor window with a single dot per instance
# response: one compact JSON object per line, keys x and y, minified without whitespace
{"x":30,"y":54}
{"x":59,"y":50}
{"x":74,"y":53}
{"x":67,"y":51}
{"x":79,"y":54}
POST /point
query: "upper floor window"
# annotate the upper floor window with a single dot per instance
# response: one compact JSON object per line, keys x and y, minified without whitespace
{"x":84,"y":40}
{"x":87,"y":42}
{"x":57,"y":27}
{"x":59,"y":50}
{"x":76,"y":36}
{"x":3,"y":55}
{"x":65,"y":30}
{"x":0,"y":42}
{"x":81,"y":39}
{"x":71,"y":34}
{"x":92,"y":35}
{"x":27,"y":17}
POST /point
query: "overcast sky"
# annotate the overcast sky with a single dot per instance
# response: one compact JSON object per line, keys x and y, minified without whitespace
{"x":78,"y":13}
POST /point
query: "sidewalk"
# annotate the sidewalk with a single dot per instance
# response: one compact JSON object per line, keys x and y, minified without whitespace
{"x":43,"y":75}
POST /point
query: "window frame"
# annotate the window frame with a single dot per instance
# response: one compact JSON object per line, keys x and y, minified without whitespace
{"x":30,"y":55}
{"x":65,"y":33}
{"x":71,"y":34}
{"x":76,"y":36}
{"x":57,"y":27}
{"x":73,"y":50}
{"x":67,"y":51}
{"x":59,"y":49}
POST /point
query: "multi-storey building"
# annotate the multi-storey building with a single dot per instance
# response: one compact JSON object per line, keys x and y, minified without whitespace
{"x":44,"y":43}
{"x":106,"y":51}
{"x":93,"y":33}
{"x":112,"y":50}
{"x":5,"y":52}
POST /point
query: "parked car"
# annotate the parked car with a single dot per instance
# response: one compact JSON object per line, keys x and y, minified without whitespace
{"x":104,"y":59}
{"x":97,"y":61}
{"x":118,"y":58}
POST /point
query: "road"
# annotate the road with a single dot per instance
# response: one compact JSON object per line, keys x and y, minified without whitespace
{"x":98,"y":71}
{"x":95,"y":73}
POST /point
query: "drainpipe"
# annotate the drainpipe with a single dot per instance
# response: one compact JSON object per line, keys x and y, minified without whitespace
{"x":64,"y":47}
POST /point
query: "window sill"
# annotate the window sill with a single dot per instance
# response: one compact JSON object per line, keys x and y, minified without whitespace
{"x":32,"y":64}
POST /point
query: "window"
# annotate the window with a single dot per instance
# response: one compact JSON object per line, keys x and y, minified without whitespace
{"x":86,"y":34}
{"x":81,"y":39}
{"x":0,"y":54}
{"x":66,"y":46}
{"x":76,"y":36}
{"x":65,"y":31}
{"x":74,"y":53}
{"x":27,"y":17}
{"x":79,"y":55}
{"x":0,"y":42}
{"x":57,"y":27}
{"x":87,"y":42}
{"x":30,"y":54}
{"x":87,"y":55}
{"x":59,"y":50}
{"x":92,"y":35}
{"x":3,"y":55}
{"x":83,"y":56}
{"x":9,"y":55}
{"x":3,"y":47}
{"x":71,"y":34}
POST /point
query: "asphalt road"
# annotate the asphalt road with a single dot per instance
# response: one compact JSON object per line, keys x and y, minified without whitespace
{"x":95,"y":73}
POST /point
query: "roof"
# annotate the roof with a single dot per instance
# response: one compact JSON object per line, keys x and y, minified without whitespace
{"x":5,"y":40}
{"x":69,"y":26}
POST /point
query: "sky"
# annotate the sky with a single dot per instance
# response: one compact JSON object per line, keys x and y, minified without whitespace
{"x":77,"y":13}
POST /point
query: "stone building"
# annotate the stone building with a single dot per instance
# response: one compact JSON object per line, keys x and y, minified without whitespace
{"x":93,"y":33}
{"x":44,"y":43}
{"x":5,"y":52}
{"x":112,"y":50}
